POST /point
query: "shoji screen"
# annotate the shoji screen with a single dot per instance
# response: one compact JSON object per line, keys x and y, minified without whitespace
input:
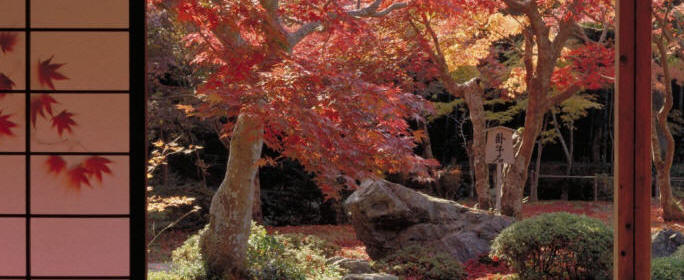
{"x":71,"y":139}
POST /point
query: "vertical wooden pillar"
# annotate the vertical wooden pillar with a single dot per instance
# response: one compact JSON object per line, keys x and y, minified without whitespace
{"x":632,"y":141}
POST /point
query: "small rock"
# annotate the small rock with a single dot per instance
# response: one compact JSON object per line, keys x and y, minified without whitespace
{"x":355,"y":266}
{"x":370,"y":276}
{"x":665,"y":242}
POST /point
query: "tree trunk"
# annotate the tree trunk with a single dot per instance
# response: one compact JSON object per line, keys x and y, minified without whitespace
{"x":663,"y":153}
{"x":224,"y":243}
{"x":427,"y":144}
{"x":257,"y":214}
{"x":662,"y":142}
{"x":515,"y":176}
{"x":474,"y":96}
{"x":568,"y":154}
{"x":534,"y":185}
{"x":681,"y":96}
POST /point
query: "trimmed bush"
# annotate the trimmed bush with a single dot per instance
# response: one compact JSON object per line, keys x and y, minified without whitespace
{"x":668,"y":268}
{"x":415,"y":263}
{"x":679,"y":253}
{"x":269,"y":257}
{"x":557,"y":246}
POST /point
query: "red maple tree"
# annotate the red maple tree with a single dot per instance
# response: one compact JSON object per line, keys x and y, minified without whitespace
{"x":309,"y":79}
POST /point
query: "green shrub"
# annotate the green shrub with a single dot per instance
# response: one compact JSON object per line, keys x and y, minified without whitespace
{"x":418,"y":264}
{"x":269,"y":257}
{"x":668,"y":268}
{"x":679,"y":253}
{"x":557,"y":246}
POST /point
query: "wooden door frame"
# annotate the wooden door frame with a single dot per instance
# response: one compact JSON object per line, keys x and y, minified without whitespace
{"x":632,"y":225}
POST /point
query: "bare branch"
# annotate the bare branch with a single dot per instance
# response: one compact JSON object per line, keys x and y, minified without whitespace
{"x":369,"y":11}
{"x":560,"y":97}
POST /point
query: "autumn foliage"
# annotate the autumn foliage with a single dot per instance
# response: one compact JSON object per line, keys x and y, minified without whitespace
{"x":334,"y":100}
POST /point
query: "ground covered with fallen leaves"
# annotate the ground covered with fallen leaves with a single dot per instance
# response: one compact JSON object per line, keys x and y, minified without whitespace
{"x":483,"y":268}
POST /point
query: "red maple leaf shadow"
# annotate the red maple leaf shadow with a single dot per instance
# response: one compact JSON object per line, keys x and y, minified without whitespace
{"x":5,"y":82}
{"x":6,"y":125}
{"x":40,"y":105}
{"x":63,"y":121}
{"x":77,"y":176}
{"x":55,"y":164}
{"x":95,"y":166}
{"x":82,"y":173}
{"x":47,"y":71}
{"x":7,"y":41}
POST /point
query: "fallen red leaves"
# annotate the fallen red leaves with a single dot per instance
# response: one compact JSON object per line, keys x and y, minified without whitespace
{"x":486,"y":268}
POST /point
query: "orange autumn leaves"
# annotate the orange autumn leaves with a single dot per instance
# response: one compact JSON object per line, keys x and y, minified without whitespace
{"x":81,"y":173}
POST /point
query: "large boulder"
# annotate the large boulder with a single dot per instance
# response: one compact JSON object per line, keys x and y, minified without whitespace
{"x":388,"y":217}
{"x":665,"y":242}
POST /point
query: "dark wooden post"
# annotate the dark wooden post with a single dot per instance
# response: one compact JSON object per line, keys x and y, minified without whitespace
{"x":632,"y":142}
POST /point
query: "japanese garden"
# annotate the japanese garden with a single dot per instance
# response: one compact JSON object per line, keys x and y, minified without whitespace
{"x":391,"y":139}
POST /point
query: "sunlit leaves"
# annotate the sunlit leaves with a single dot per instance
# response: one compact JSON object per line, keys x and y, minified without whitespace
{"x":162,"y":150}
{"x":157,"y":203}
{"x":590,"y":66}
{"x":515,"y":84}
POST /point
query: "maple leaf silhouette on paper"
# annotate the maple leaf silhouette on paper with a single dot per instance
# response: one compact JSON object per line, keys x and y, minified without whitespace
{"x":7,"y":41}
{"x":55,"y":164}
{"x":47,"y":72}
{"x":95,"y":166}
{"x":63,"y":121}
{"x":77,"y":176}
{"x":5,"y":82}
{"x":6,"y":125}
{"x":40,"y":105}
